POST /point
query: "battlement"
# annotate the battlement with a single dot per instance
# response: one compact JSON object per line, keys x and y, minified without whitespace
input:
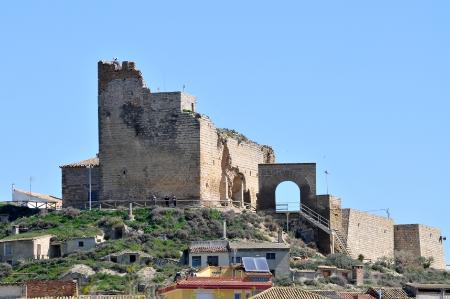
{"x":113,"y":70}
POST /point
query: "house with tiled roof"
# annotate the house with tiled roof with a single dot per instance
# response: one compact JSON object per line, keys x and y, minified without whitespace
{"x":232,"y":282}
{"x":76,"y":179}
{"x":287,"y":293}
{"x":208,"y":253}
{"x":224,"y":253}
{"x":428,"y":290}
{"x":388,"y":293}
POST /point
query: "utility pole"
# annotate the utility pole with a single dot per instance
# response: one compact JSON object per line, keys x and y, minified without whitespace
{"x":29,"y":195}
{"x":90,"y":187}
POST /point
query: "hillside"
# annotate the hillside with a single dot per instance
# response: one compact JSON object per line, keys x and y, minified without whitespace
{"x":163,"y":233}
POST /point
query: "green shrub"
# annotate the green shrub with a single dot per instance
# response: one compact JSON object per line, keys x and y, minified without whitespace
{"x":341,"y":260}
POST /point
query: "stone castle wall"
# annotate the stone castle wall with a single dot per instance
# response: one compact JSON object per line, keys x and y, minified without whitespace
{"x":421,"y":240}
{"x":155,"y":143}
{"x":148,"y":145}
{"x":369,"y":235}
{"x":229,"y":164}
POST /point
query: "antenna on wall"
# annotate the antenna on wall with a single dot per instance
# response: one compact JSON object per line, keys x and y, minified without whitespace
{"x":184,"y":86}
{"x":326,"y":179}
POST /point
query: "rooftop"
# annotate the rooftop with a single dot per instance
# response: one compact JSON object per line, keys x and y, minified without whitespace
{"x":258,"y":245}
{"x":287,"y":293}
{"x":428,"y":286}
{"x":216,"y":283}
{"x":22,"y":195}
{"x":208,"y":246}
{"x":91,"y":162}
{"x":389,"y":293}
{"x":33,"y":235}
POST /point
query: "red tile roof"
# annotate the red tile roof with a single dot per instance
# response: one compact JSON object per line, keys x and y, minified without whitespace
{"x":354,"y":295}
{"x":216,"y":283}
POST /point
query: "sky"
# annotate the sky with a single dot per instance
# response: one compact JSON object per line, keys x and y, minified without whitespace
{"x":359,"y":87}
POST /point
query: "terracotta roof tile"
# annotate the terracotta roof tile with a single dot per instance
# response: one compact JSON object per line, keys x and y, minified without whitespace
{"x":287,"y":293}
{"x":216,"y":283}
{"x":354,"y":295}
{"x":388,"y":293}
{"x":328,"y":294}
{"x":257,"y":245}
{"x":208,"y":246}
{"x":83,"y":164}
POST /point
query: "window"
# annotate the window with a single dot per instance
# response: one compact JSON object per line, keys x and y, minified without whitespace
{"x":196,"y":261}
{"x":80,"y":244}
{"x":270,"y":255}
{"x":132,"y":258}
{"x":212,"y":260}
{"x":237,"y":295}
{"x":113,"y":259}
{"x":8,"y":249}
{"x":238,"y":260}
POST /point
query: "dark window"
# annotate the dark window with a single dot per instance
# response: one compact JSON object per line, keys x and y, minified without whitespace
{"x":212,"y":260}
{"x":8,"y":249}
{"x":196,"y":261}
{"x":132,"y":258}
{"x":80,"y":244}
{"x":237,"y":296}
{"x":238,"y":260}
{"x":113,"y":259}
{"x":270,"y":255}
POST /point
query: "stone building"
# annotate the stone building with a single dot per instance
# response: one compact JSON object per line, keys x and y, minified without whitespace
{"x":155,"y":143}
{"x":24,"y":247}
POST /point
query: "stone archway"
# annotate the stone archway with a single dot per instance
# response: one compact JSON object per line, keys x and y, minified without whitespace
{"x":287,"y":197}
{"x":238,"y":189}
{"x":271,"y":175}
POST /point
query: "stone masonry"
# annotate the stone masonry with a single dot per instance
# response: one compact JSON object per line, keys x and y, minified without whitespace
{"x":157,"y":144}
{"x":420,"y":240}
{"x":367,"y":234}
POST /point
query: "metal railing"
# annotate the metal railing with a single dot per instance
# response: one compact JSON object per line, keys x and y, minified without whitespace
{"x":168,"y":203}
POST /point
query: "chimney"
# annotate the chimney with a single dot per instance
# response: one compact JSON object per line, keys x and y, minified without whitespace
{"x":15,"y":230}
{"x":280,"y":236}
{"x":224,"y":230}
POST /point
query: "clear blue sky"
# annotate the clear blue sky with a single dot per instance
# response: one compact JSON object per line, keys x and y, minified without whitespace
{"x":360,"y":87}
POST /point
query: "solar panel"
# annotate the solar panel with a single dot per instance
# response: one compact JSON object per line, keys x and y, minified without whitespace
{"x":261,"y":264}
{"x":255,"y":264}
{"x":249,"y":264}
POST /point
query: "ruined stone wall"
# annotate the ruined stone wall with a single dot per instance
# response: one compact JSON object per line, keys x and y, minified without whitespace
{"x":155,"y":143}
{"x":75,"y":186}
{"x":149,"y":142}
{"x":369,"y":235}
{"x":229,"y":164}
{"x":421,"y":240}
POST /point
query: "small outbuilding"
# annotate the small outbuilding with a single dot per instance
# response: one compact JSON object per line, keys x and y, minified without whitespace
{"x":26,"y":246}
{"x":129,"y":257}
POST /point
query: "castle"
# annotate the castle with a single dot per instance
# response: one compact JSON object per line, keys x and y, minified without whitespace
{"x":156,"y":145}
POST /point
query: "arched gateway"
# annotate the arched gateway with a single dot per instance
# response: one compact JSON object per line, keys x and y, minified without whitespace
{"x":271,"y":175}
